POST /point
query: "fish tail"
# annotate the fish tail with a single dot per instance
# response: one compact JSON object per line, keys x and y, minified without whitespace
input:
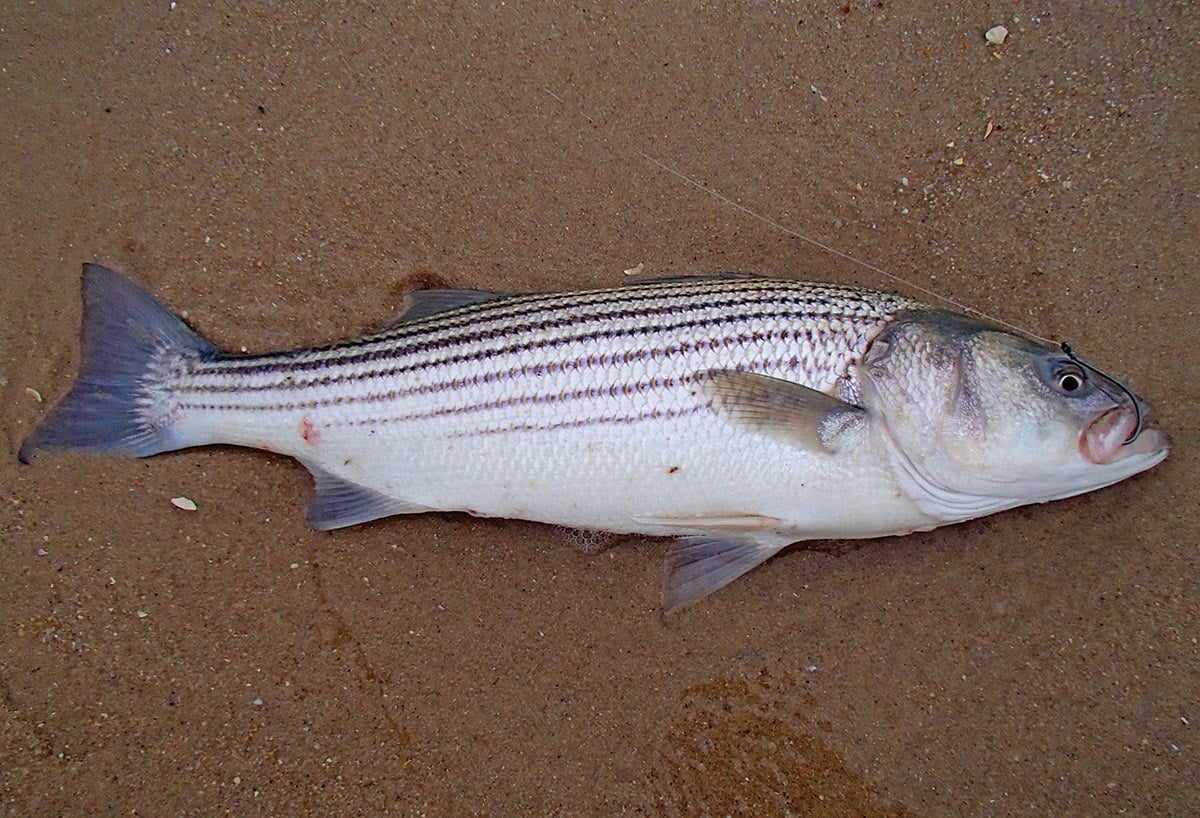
{"x":131,"y":345}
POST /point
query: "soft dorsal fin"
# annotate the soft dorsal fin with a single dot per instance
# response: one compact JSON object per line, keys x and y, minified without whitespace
{"x":424,"y":303}
{"x":339,"y":503}
{"x":781,"y":408}
{"x":697,"y":566}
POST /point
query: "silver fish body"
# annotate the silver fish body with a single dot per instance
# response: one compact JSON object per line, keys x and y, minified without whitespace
{"x":733,"y":412}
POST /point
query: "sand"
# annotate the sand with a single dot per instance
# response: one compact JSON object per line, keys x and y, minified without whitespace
{"x":284,"y":175}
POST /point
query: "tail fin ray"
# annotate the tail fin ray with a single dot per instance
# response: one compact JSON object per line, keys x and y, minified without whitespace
{"x":125,"y":333}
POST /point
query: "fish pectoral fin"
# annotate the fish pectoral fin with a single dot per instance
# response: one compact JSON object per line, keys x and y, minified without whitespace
{"x":339,"y":503}
{"x":697,"y":566}
{"x":424,"y":303}
{"x":781,"y":408}
{"x":730,"y":521}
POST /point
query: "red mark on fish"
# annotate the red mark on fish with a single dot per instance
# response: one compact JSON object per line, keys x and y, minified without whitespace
{"x":309,"y":432}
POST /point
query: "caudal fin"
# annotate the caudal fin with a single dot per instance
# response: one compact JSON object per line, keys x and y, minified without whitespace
{"x":115,"y":405}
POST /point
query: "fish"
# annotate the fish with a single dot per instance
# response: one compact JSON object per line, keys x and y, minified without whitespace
{"x":735,"y":414}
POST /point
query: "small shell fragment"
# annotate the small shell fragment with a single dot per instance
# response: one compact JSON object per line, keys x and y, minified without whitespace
{"x":183,"y":503}
{"x":634,"y":271}
{"x":33,"y":393}
{"x":996,"y":35}
{"x":988,"y":130}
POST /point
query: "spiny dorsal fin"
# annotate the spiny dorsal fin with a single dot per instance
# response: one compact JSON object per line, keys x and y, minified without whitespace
{"x":424,"y":303}
{"x":781,"y":408}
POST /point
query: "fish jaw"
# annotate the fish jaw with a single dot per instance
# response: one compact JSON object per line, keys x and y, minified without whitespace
{"x":1107,"y":439}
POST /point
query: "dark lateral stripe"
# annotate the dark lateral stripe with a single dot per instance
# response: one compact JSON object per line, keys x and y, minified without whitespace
{"x":467,"y":318}
{"x":396,"y":365}
{"x":574,"y":307}
{"x":612,"y":390}
{"x":360,"y":352}
{"x":535,"y":399}
{"x":541,"y":399}
{"x":430,"y":335}
{"x":686,"y":293}
{"x":787,"y":337}
{"x":606,"y":334}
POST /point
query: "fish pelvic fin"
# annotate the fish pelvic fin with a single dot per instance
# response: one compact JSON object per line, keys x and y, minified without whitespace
{"x":698,"y":565}
{"x":113,"y":407}
{"x":339,"y":503}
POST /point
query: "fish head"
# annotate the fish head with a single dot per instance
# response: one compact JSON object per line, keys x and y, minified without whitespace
{"x":978,"y":419}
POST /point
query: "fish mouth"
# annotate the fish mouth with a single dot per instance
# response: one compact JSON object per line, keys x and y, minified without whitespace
{"x":1117,"y":434}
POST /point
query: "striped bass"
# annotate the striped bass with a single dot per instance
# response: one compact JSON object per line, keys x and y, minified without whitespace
{"x":737,"y":414}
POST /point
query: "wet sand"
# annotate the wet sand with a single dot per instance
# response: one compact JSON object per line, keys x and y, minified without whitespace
{"x":284,"y":176}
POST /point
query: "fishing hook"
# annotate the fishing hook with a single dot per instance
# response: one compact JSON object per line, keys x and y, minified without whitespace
{"x":1137,"y":429}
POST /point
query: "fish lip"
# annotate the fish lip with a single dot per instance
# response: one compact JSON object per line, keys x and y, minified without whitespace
{"x":1110,"y":437}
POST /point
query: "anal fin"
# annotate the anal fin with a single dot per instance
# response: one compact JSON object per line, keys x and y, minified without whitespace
{"x":697,"y":566}
{"x":339,"y":503}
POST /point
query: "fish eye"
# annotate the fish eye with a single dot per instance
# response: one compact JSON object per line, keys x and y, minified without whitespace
{"x":1070,"y":379}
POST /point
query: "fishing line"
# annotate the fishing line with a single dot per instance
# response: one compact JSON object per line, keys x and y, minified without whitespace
{"x":811,"y":241}
{"x":1066,"y":348}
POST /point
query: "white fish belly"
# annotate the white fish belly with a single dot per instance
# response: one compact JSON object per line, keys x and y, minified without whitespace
{"x":652,"y":475}
{"x":674,"y":477}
